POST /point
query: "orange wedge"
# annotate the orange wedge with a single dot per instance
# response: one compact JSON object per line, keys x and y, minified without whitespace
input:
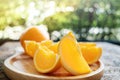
{"x":54,"y":47}
{"x":91,"y":54}
{"x":31,"y":47}
{"x":45,"y":60}
{"x":46,"y":43}
{"x":71,"y":56}
{"x":51,"y":45}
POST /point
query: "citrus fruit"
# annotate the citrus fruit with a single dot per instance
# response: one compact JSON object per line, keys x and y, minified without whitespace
{"x":54,"y":47}
{"x":34,"y":33}
{"x":46,"y":43}
{"x":91,"y":54}
{"x":45,"y":60}
{"x":31,"y":47}
{"x":71,"y":56}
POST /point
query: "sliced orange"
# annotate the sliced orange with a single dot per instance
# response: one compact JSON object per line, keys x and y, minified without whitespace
{"x":45,"y":60}
{"x":91,"y":54}
{"x":31,"y":47}
{"x":34,"y":33}
{"x":46,"y":43}
{"x":71,"y":56}
{"x":54,"y":47}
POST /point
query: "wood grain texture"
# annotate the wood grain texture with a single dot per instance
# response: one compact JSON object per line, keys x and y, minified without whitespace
{"x":21,"y":67}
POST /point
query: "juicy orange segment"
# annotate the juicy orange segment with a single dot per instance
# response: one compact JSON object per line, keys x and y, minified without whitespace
{"x":51,"y":45}
{"x":45,"y":60}
{"x":54,"y":47}
{"x":46,"y":43}
{"x":71,"y":56}
{"x":31,"y":47}
{"x":91,"y":54}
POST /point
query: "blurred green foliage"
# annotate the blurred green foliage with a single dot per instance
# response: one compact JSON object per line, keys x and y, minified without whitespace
{"x":10,"y":14}
{"x":89,"y":13}
{"x":86,"y":15}
{"x":61,"y":20}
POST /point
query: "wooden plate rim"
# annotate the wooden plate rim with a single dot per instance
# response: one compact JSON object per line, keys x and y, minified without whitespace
{"x":10,"y":67}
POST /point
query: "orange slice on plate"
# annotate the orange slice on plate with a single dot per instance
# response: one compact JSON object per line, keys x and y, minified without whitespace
{"x":45,"y":60}
{"x":31,"y":47}
{"x":54,"y":47}
{"x":91,"y":54}
{"x":71,"y":56}
{"x":46,"y":43}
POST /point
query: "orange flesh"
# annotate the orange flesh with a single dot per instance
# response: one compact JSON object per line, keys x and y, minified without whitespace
{"x":42,"y":62}
{"x":46,"y":43}
{"x":54,"y":47}
{"x":31,"y":47}
{"x":46,"y":60}
{"x":72,"y":58}
{"x":91,"y":54}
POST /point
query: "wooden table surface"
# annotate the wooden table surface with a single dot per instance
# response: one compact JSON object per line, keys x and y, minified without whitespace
{"x":110,"y":58}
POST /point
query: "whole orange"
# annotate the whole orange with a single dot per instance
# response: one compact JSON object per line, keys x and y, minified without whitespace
{"x":37,"y":33}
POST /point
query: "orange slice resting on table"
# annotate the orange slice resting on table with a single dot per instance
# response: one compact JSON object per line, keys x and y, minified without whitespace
{"x":71,"y":56}
{"x":91,"y":54}
{"x":45,"y":60}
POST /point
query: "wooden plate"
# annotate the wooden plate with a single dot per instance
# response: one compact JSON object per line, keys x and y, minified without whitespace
{"x":20,"y":67}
